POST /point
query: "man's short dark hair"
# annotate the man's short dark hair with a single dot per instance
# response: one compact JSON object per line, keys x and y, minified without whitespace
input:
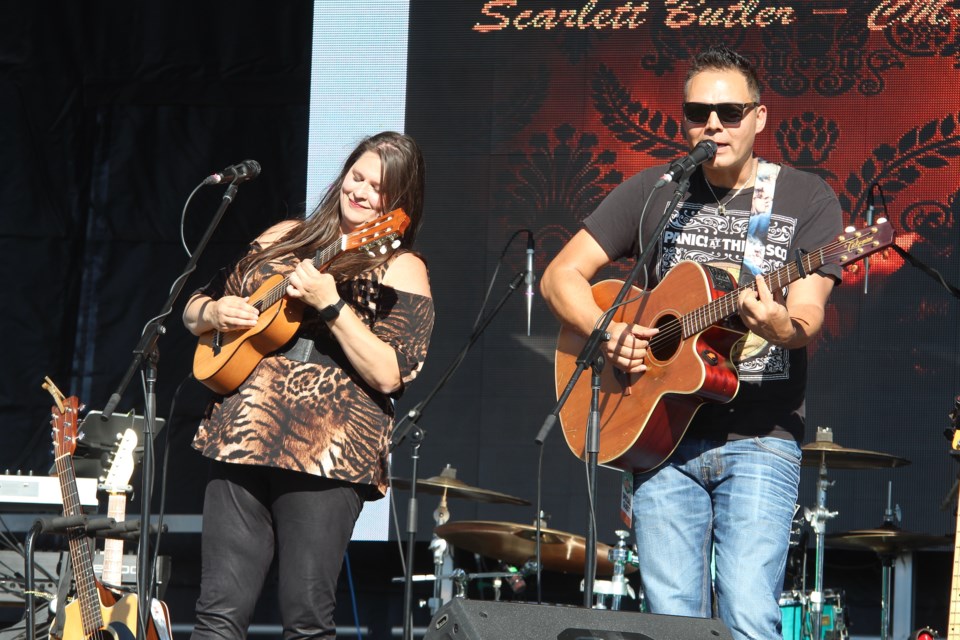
{"x":721,"y":58}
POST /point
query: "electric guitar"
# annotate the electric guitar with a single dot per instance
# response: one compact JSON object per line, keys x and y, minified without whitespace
{"x":953,"y":620}
{"x":97,"y":613}
{"x":222,"y":361}
{"x":644,"y":416}
{"x":117,"y":485}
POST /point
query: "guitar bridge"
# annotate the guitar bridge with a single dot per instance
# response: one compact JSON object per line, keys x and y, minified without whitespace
{"x":217,"y":343}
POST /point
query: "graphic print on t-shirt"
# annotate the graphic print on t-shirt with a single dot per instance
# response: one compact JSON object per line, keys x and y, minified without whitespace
{"x":699,"y":233}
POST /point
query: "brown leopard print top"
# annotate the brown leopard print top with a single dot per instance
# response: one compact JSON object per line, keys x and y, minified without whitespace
{"x":318,"y":417}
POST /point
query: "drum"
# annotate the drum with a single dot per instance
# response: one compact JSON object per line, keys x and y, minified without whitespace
{"x":795,"y":615}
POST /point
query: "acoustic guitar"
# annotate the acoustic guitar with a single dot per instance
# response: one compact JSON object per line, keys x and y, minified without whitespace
{"x":97,"y":613}
{"x":644,"y":416}
{"x":222,"y":361}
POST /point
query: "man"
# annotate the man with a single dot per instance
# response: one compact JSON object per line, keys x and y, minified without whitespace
{"x":726,"y":495}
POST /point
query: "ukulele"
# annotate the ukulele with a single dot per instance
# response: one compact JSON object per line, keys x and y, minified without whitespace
{"x":222,"y":361}
{"x":644,"y":416}
{"x":97,"y":613}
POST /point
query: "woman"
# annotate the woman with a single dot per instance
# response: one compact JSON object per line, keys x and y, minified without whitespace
{"x":302,"y":442}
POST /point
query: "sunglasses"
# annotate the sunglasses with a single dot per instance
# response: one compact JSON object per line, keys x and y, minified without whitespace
{"x":728,"y":112}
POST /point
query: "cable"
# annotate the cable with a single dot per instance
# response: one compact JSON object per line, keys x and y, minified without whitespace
{"x":353,"y":595}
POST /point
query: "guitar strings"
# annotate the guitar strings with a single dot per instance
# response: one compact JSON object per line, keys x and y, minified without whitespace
{"x":719,"y":308}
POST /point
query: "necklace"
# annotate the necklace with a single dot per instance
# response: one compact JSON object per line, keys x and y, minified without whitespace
{"x":722,"y":206}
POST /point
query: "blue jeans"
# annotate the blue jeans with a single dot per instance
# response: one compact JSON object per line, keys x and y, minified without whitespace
{"x":734,"y":500}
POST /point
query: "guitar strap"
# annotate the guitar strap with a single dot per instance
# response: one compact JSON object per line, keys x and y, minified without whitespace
{"x":759,"y":227}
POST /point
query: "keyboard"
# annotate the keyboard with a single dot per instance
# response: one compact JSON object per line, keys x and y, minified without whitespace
{"x":41,"y":494}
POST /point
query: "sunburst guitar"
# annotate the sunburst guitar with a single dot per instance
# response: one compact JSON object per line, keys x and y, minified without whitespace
{"x":644,"y":416}
{"x":222,"y":361}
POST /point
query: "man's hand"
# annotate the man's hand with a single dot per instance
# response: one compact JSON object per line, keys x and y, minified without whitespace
{"x":765,"y":313}
{"x":627,"y":346}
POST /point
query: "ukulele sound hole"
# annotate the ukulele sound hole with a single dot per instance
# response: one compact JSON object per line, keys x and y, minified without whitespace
{"x":665,"y":344}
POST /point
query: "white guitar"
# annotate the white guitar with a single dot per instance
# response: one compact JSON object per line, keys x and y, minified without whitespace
{"x":117,"y":485}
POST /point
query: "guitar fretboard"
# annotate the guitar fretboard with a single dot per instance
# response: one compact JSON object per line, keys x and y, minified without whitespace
{"x":324,"y":257}
{"x":729,"y":304}
{"x":80,"y":555}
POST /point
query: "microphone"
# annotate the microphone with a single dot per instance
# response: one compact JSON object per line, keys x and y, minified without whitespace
{"x":866,"y":261}
{"x":246,"y":170}
{"x":683,"y":167}
{"x":529,"y":278}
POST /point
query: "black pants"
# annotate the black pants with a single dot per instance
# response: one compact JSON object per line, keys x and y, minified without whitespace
{"x":250,"y":511}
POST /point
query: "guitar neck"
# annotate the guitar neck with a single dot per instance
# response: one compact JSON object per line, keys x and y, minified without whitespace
{"x":113,"y":549}
{"x":729,"y":303}
{"x":953,"y":622}
{"x":324,"y":257}
{"x":90,"y":613}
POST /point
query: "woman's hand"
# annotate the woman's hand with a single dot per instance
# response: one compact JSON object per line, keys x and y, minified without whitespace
{"x":309,"y":285}
{"x":230,"y":313}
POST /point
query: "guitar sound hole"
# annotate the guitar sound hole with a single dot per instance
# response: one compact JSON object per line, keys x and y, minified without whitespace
{"x":665,"y":344}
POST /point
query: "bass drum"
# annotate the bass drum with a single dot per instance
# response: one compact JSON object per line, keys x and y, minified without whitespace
{"x":795,"y":615}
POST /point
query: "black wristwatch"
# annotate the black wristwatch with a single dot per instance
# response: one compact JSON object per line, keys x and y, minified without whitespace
{"x":331,"y":312}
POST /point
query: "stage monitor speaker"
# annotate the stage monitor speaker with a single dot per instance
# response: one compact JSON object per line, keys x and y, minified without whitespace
{"x":462,"y":619}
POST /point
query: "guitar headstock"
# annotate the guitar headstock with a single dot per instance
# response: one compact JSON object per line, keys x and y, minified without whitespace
{"x":855,"y":244}
{"x":380,"y":235}
{"x":118,"y":476}
{"x":64,"y":418}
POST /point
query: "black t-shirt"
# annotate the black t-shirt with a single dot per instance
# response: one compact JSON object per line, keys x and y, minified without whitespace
{"x":806,"y":215}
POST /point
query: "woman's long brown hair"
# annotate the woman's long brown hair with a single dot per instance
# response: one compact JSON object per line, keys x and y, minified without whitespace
{"x":401,"y":187}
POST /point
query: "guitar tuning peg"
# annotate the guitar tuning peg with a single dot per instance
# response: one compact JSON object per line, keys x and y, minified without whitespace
{"x":383,"y":249}
{"x":395,"y":244}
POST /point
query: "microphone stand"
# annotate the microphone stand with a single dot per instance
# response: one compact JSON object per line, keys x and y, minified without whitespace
{"x":590,"y":356}
{"x":408,"y":426}
{"x":146,"y":356}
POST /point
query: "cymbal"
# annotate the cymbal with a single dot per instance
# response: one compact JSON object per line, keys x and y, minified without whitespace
{"x":516,"y":544}
{"x":453,"y":488}
{"x":838,"y":457}
{"x":886,"y":540}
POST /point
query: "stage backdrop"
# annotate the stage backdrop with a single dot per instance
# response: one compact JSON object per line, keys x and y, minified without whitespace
{"x":529,"y":112}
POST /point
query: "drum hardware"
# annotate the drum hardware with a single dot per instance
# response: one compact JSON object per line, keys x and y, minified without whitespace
{"x":515,"y":544}
{"x":617,"y":587}
{"x":796,"y":621}
{"x":824,"y":453}
{"x":461,"y":579}
{"x":446,"y":484}
{"x":888,"y":542}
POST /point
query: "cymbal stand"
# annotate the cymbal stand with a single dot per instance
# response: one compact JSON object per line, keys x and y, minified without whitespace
{"x":407,"y":427}
{"x":619,"y":556}
{"x":886,"y":567}
{"x":818,"y":521}
{"x":442,"y":561}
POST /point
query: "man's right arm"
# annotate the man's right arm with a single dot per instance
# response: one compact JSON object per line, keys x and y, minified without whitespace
{"x":566,"y":289}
